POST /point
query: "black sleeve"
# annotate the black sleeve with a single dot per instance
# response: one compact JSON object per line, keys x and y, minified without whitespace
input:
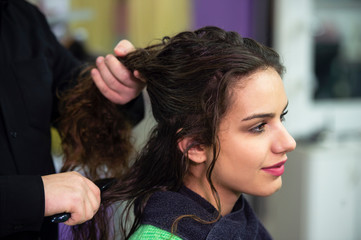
{"x":22,"y":197}
{"x":135,"y":110}
{"x":21,"y":204}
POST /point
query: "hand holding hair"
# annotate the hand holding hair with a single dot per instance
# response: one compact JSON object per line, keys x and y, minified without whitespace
{"x":115,"y":81}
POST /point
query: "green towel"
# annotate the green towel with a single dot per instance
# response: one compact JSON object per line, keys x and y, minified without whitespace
{"x":150,"y":232}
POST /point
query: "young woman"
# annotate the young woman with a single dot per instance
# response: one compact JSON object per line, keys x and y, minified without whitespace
{"x":219,"y":103}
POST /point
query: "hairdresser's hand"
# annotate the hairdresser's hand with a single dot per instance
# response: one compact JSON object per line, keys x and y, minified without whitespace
{"x":115,"y":81}
{"x":72,"y":193}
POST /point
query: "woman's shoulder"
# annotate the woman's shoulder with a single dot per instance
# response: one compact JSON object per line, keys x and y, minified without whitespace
{"x":152,"y":232}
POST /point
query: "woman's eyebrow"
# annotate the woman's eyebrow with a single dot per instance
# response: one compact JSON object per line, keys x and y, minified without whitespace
{"x":259,"y":115}
{"x":263,"y":115}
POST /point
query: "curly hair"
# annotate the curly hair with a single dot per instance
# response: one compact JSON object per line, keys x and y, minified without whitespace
{"x":190,"y":79}
{"x":95,"y":132}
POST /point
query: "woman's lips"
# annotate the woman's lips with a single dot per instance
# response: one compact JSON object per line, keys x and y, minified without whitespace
{"x":277,"y":169}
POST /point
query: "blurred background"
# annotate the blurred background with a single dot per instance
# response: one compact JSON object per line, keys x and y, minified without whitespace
{"x":320,"y":44}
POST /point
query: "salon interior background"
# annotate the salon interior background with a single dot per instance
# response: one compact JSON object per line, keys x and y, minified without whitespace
{"x":320,"y":44}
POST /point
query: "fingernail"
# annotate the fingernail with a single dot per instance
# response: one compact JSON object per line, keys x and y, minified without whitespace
{"x":108,"y":56}
{"x":100,"y":59}
{"x":119,"y":50}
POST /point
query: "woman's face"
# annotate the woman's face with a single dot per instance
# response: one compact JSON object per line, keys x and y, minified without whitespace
{"x":253,"y":140}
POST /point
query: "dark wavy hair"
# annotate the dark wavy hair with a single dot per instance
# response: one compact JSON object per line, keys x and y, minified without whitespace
{"x":95,"y":133}
{"x":189,"y":78}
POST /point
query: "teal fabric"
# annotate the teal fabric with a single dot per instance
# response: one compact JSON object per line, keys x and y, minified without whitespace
{"x":146,"y":232}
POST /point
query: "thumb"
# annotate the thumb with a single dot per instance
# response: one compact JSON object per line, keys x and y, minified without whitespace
{"x":123,"y":48}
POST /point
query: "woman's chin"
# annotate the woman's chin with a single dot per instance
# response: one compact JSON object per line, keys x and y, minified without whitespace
{"x":270,"y":189}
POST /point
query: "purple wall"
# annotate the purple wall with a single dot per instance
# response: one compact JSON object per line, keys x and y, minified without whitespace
{"x":231,"y":15}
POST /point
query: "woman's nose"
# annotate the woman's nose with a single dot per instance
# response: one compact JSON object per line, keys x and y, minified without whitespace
{"x":284,"y":142}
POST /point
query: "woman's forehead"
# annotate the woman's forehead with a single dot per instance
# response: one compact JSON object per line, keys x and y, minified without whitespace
{"x":261,"y":90}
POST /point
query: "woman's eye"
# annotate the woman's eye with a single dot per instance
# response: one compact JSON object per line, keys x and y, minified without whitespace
{"x":283,"y":116}
{"x":259,"y":128}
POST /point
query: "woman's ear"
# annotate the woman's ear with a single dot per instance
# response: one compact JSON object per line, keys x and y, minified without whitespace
{"x":196,"y":154}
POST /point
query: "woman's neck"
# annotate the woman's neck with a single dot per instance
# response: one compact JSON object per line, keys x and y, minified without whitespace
{"x":202,"y":187}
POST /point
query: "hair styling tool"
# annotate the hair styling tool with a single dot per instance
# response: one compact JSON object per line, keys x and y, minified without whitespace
{"x":102,"y":184}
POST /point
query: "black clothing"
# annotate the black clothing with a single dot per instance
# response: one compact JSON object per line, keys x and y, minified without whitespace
{"x":164,"y":207}
{"x":33,"y":66}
